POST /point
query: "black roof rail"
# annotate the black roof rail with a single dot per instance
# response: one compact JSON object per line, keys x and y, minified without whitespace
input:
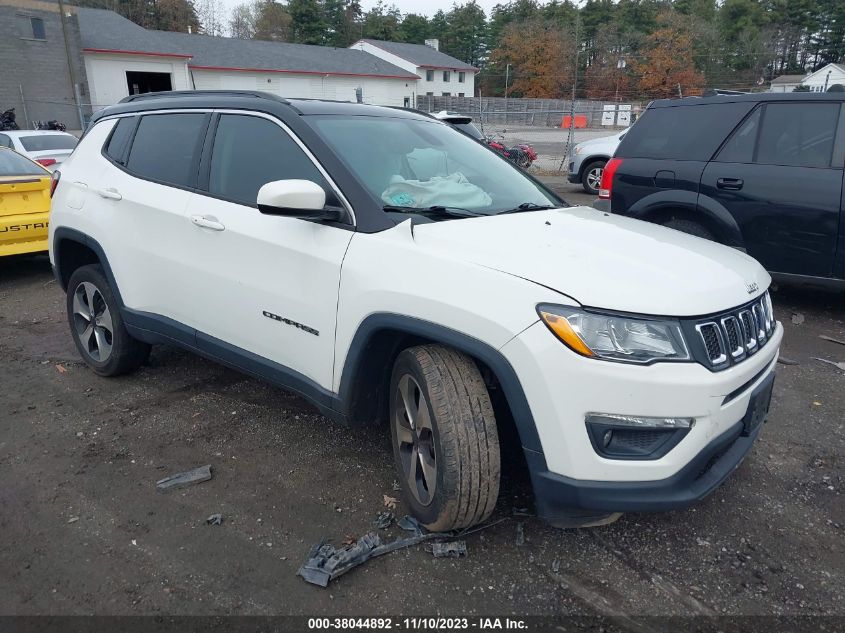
{"x":172,"y":94}
{"x":716,"y":92}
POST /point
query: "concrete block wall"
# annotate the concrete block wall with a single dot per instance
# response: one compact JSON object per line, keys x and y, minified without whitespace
{"x":40,"y":67}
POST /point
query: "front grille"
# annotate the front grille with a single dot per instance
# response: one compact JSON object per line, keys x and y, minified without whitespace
{"x":729,"y":338}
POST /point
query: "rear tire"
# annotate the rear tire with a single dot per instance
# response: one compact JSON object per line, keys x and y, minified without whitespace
{"x":97,"y":325}
{"x":591,"y":176}
{"x":445,"y":442}
{"x":691,"y":227}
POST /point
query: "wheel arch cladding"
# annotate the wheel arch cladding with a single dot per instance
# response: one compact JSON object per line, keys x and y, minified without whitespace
{"x":379,"y":339}
{"x":661,"y":215}
{"x":72,"y":251}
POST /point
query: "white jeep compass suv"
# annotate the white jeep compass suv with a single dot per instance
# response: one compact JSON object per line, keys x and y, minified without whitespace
{"x":391,"y":270}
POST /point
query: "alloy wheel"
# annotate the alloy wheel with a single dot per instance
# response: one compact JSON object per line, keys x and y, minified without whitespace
{"x":415,"y":436}
{"x":594,"y":178}
{"x":92,"y":321}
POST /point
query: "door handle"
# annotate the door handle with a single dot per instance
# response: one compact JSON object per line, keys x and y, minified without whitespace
{"x":207,"y":222}
{"x":111,"y":194}
{"x":734,"y":184}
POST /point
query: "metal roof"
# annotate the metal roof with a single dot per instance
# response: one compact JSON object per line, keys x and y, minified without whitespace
{"x":420,"y":54}
{"x":105,"y":31}
{"x":788,"y":79}
{"x":754,"y":96}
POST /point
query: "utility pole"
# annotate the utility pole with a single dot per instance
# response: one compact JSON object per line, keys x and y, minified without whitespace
{"x":680,"y":94}
{"x":71,"y":72}
{"x":507,"y":76}
{"x":571,"y":136}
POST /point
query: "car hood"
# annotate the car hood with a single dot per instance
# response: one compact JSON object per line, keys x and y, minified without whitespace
{"x":602,"y":140}
{"x":604,"y":261}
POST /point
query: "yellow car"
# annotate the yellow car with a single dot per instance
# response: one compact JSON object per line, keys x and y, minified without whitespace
{"x":24,"y":204}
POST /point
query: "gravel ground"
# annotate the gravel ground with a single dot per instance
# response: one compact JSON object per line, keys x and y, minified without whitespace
{"x":82,"y":529}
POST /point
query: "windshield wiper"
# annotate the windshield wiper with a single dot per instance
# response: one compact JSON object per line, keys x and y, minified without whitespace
{"x":528,"y":206}
{"x":437,"y":209}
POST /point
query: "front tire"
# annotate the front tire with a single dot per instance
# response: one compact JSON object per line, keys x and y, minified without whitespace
{"x":445,"y":442}
{"x":97,"y":325}
{"x":591,"y":176}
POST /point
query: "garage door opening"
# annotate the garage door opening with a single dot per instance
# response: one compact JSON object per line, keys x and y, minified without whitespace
{"x":139,"y":82}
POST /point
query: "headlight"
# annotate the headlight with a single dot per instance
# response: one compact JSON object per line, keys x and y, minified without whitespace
{"x":611,"y":337}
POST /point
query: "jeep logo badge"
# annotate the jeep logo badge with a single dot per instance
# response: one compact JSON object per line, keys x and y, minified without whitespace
{"x":752,"y":287}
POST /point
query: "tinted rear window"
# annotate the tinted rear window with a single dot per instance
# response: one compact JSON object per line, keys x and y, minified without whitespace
{"x":12,"y":164}
{"x":798,"y":134}
{"x":116,"y":146}
{"x":691,"y":132}
{"x":164,"y":147}
{"x":46,"y":142}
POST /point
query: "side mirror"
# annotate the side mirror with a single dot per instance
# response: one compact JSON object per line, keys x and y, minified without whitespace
{"x":296,"y":199}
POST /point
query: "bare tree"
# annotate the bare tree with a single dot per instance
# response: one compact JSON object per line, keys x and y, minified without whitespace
{"x":242,"y":22}
{"x":212,"y":16}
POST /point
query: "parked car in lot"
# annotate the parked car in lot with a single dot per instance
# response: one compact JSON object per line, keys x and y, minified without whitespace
{"x":522,"y":154}
{"x":47,"y":147}
{"x":24,"y":204}
{"x":248,"y":228}
{"x":589,"y":159}
{"x":759,"y":172}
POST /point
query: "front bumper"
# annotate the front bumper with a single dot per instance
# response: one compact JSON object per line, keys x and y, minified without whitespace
{"x":557,"y":495}
{"x":562,"y":387}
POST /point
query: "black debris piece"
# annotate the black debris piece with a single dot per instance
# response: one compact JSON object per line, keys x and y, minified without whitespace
{"x":215,"y":519}
{"x":783,"y":360}
{"x":326,"y":562}
{"x":455,"y":549}
{"x":840,"y":366}
{"x":410,"y":524}
{"x":520,"y":512}
{"x":188,"y":478}
{"x":824,"y":337}
{"x":384,"y":520}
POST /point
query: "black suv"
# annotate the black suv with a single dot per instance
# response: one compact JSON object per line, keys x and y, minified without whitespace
{"x":759,"y":172}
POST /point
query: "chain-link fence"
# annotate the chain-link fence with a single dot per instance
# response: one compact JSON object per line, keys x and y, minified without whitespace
{"x":536,"y":112}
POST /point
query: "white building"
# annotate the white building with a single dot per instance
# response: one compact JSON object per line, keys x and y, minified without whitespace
{"x":825,"y":77}
{"x":786,"y":83}
{"x":122,"y":58}
{"x":439,"y":75}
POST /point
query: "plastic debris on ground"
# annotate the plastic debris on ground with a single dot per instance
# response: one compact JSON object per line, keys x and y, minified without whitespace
{"x":840,"y":366}
{"x":520,"y":534}
{"x":215,"y":519}
{"x":555,"y":566}
{"x":384,"y":520}
{"x":824,"y":337}
{"x":326,"y":562}
{"x":455,"y":549}
{"x":188,"y":478}
{"x":783,"y":360}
